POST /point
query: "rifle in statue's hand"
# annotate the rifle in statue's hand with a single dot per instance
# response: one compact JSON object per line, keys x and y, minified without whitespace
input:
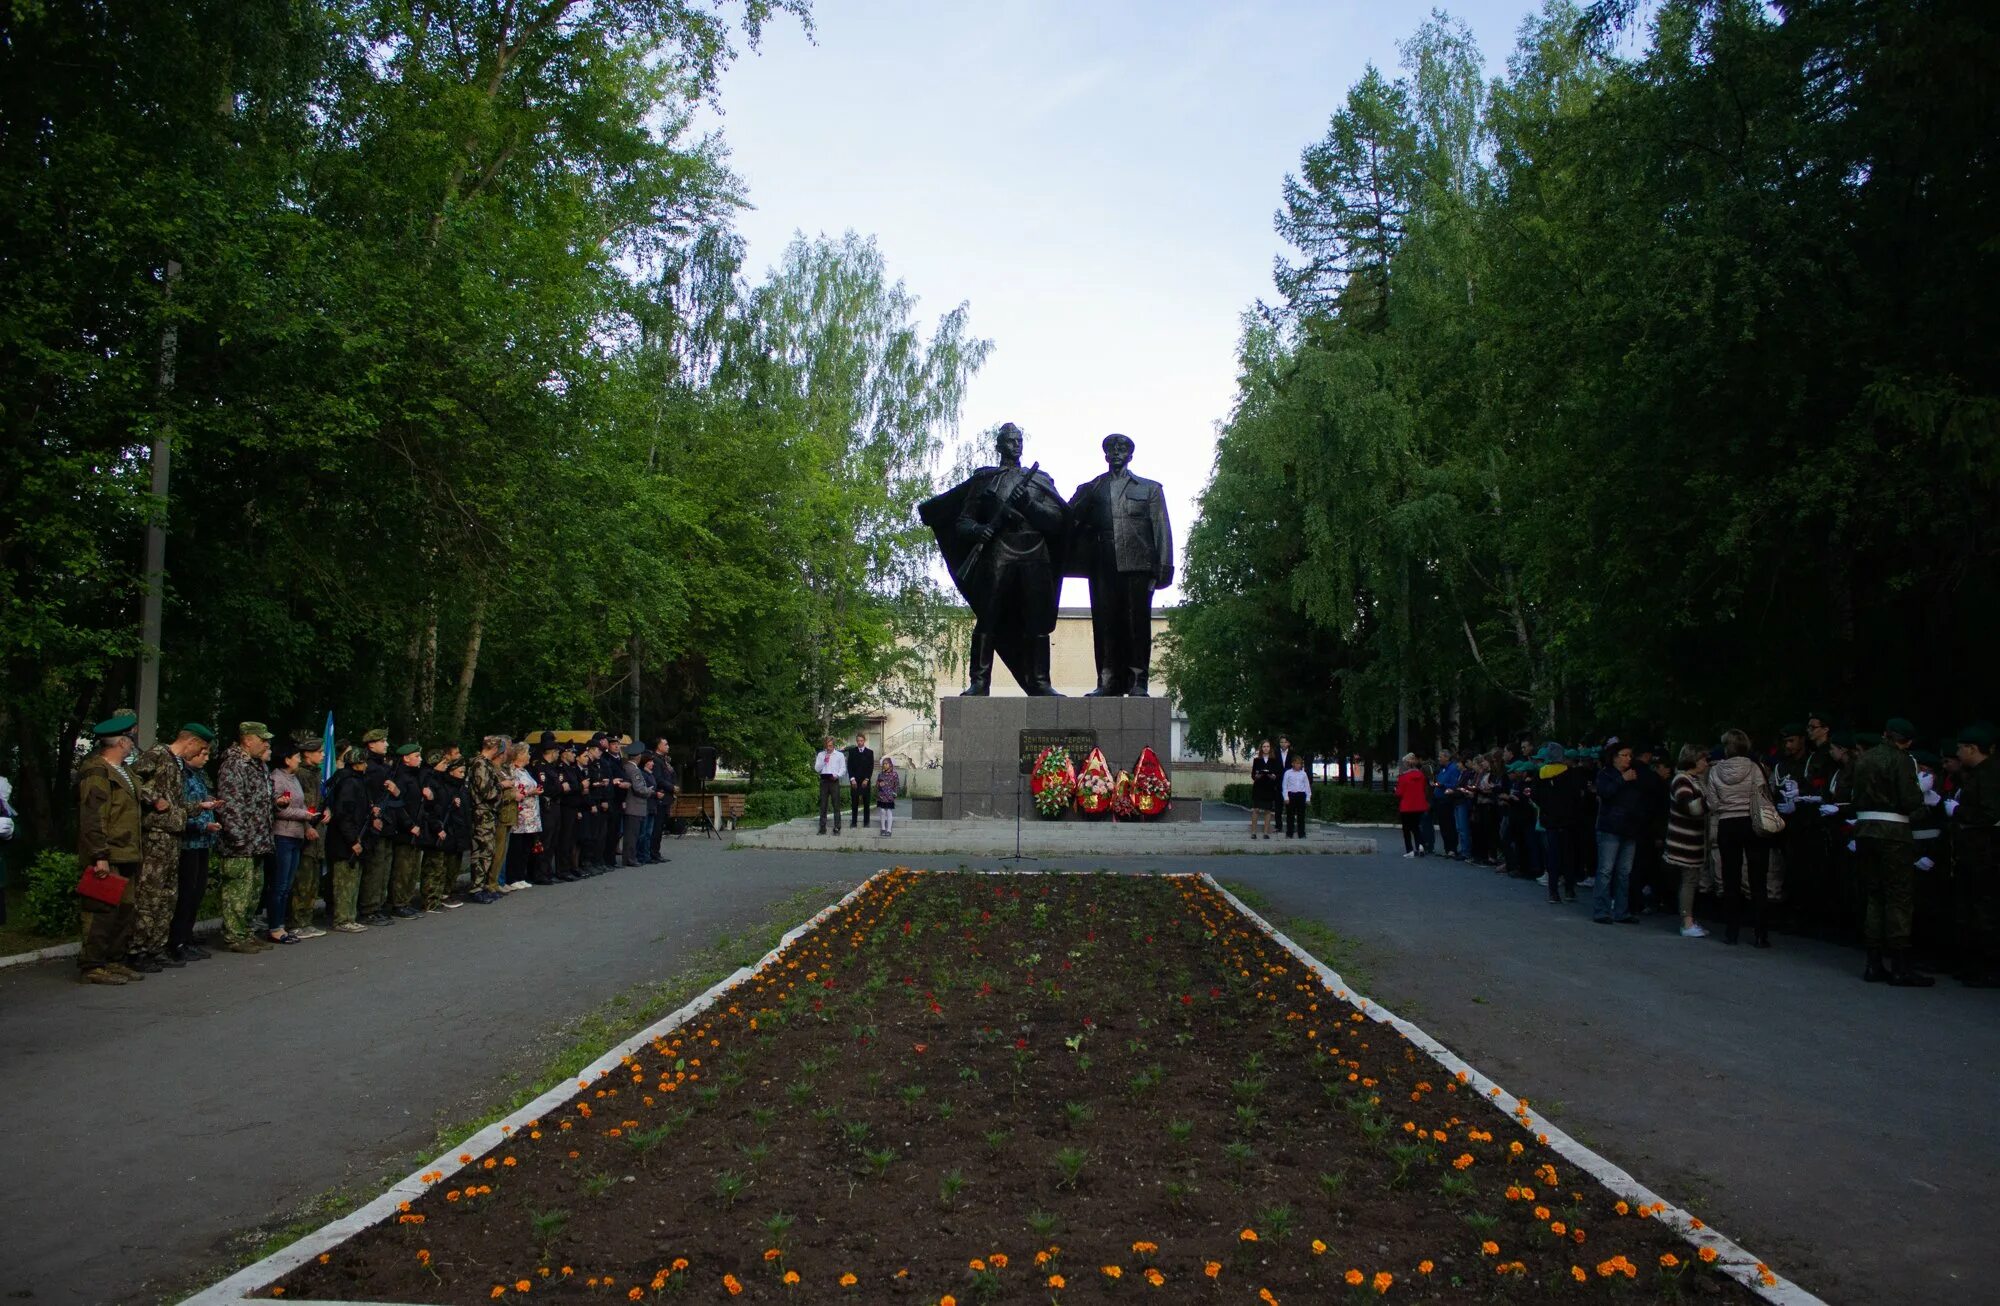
{"x":978,"y":549}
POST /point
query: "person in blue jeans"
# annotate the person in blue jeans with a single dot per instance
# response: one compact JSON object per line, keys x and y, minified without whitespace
{"x":1444,"y":804}
{"x":288,"y":828}
{"x":1621,"y":824}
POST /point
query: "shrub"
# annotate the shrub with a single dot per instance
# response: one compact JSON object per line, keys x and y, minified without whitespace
{"x":769,"y":806}
{"x":51,"y":906}
{"x":1333,"y":802}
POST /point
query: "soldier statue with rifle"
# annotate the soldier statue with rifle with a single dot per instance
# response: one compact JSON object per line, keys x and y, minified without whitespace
{"x":1001,"y":533}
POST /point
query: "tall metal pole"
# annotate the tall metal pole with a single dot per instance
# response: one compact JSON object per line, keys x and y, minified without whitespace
{"x":156,"y":529}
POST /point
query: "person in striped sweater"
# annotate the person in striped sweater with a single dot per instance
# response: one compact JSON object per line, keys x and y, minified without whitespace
{"x":1687,"y":830}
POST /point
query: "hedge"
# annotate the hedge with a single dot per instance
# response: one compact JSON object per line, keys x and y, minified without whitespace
{"x":1333,"y":802}
{"x":51,"y":906}
{"x":770,"y":806}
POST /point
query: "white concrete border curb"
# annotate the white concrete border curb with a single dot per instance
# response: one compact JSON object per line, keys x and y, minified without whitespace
{"x":1731,"y":1259}
{"x":240,"y":1286}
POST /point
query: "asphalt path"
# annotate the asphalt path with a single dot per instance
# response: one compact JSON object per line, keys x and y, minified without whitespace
{"x":1842,"y":1131}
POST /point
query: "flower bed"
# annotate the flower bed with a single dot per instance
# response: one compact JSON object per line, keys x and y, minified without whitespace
{"x":1036,"y":1088}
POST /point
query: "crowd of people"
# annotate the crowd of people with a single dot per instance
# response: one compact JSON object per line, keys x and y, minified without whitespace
{"x":1836,"y":831}
{"x":384,"y":836}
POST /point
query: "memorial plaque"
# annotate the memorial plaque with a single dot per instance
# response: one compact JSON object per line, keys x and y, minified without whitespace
{"x":1077,"y":743}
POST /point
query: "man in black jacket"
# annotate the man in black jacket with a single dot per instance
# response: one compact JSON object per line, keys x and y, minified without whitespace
{"x":407,"y":864}
{"x":860,"y":782}
{"x":351,"y":833}
{"x":385,"y":802}
{"x":665,"y":785}
{"x":548,"y":772}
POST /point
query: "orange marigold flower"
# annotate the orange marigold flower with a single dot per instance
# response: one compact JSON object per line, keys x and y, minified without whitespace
{"x":1622,"y":1209}
{"x":1319,"y":1248}
{"x":848,"y":1280}
{"x":976,"y":1265}
{"x":1212,"y":1268}
{"x":998,"y":1260}
{"x":1248,"y":1236}
{"x":1353,"y":1276}
{"x":1112,"y":1272}
{"x":1576,"y":1272}
{"x":1264,"y":1295}
{"x":1145,"y":1248}
{"x":1425,"y":1267}
{"x":947,"y":1300}
{"x":635,"y":1294}
{"x":567,"y":1271}
{"x":1489,"y":1248}
{"x":1707,"y":1255}
{"x":1154,"y":1277}
{"x":1382,"y":1281}
{"x":1541,"y":1212}
{"x":772,"y":1253}
{"x":729,"y":1282}
{"x":791,"y":1278}
{"x":499,"y":1291}
{"x":1669,"y":1260}
{"x":1057,"y":1281}
{"x":680,"y":1263}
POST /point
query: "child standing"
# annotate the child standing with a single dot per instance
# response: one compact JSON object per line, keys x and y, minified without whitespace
{"x":1298,"y":793}
{"x":887,"y":782}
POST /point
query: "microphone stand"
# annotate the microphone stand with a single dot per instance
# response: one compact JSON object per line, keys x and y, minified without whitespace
{"x":1018,"y":856}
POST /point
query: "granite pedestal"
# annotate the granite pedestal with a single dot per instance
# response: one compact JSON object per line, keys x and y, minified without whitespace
{"x":981,"y":739}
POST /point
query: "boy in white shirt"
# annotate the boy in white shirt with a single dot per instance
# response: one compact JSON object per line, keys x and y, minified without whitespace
{"x":1298,"y":793}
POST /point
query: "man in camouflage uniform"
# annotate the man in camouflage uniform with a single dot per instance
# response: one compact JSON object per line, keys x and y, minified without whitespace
{"x":1886,"y":797}
{"x":312,"y":859}
{"x":244,"y":786}
{"x":108,"y":841}
{"x":407,"y":868}
{"x":1975,"y":827}
{"x":482,"y":782}
{"x":163,"y":817}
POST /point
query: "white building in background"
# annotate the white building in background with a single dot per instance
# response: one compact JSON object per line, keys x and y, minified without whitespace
{"x":912,"y":737}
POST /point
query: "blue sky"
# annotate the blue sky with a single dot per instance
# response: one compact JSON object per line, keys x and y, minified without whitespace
{"x":1095,"y":178}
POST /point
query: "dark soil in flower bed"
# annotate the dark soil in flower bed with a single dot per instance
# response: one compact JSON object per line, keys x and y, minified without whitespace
{"x":995,"y":1087}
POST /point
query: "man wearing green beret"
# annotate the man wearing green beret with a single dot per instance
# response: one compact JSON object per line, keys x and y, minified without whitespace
{"x":248,"y":833}
{"x":1974,"y":813}
{"x":164,"y":812}
{"x":109,"y":842}
{"x":312,"y":858}
{"x":1887,"y":797}
{"x":349,"y":833}
{"x":407,"y":867}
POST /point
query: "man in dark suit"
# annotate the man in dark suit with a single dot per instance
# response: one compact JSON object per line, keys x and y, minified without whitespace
{"x":861,"y":783}
{"x":1121,"y":542}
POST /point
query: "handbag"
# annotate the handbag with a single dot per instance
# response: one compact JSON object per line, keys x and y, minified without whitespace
{"x":1764,"y":816}
{"x":100,"y":892}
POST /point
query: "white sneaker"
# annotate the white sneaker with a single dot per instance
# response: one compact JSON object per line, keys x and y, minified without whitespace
{"x":1590,"y":883}
{"x":310,"y":932}
{"x":1542,"y":880}
{"x":1693,"y":932}
{"x":520,"y":884}
{"x":1408,"y":856}
{"x":352,"y":927}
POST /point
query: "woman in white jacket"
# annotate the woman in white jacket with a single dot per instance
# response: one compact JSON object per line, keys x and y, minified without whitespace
{"x":1733,"y":785}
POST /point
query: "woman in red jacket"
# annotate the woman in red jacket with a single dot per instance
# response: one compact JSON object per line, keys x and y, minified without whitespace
{"x":1413,"y":799}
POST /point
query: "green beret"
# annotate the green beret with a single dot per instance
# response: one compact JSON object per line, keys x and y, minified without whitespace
{"x":1979,"y":735}
{"x":1899,"y":725}
{"x":199,"y":731}
{"x":404,"y":750}
{"x":356,"y":757}
{"x":1791,"y":728}
{"x":375,"y":737}
{"x":257,"y":728}
{"x":121,"y":724}
{"x":308,"y":742}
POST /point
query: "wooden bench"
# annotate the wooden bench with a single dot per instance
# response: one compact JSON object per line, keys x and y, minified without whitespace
{"x":712,"y":812}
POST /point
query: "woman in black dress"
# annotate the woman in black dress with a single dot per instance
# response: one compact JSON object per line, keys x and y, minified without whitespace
{"x":1264,"y":777}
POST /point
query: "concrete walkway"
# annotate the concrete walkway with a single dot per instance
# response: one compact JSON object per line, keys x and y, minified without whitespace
{"x":1842,"y":1131}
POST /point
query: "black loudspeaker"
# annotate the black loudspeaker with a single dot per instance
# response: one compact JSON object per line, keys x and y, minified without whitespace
{"x":704,"y":762}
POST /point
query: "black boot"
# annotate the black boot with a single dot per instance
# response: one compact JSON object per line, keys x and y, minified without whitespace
{"x":1137,"y":680}
{"x":1903,"y":976}
{"x":1040,"y":686}
{"x":1874,"y":972}
{"x":1107,"y":686}
{"x":980,"y":681}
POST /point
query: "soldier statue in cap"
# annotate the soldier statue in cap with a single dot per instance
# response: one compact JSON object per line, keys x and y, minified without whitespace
{"x":1121,"y":541}
{"x":109,"y":842}
{"x":1001,"y":534}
